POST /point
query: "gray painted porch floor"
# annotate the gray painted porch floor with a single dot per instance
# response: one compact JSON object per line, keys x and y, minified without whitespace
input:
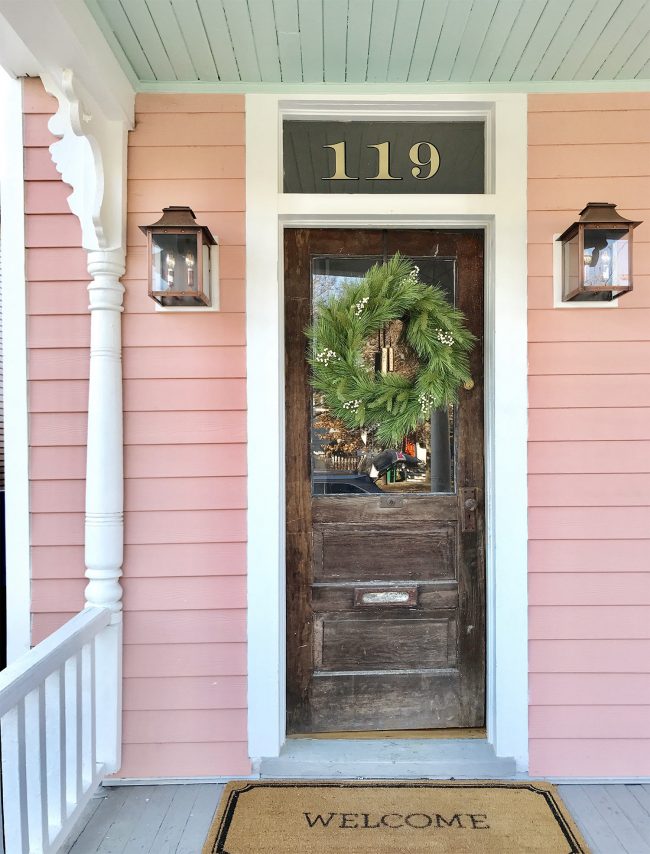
{"x":174,"y":819}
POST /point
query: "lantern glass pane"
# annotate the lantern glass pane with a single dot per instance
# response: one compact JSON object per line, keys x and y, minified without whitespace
{"x":174,"y":263}
{"x":606,"y":258}
{"x":571,"y":266}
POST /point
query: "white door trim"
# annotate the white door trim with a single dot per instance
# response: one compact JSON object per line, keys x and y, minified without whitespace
{"x":503,"y":214}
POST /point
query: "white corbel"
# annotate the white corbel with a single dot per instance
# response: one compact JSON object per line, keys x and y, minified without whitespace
{"x":91,"y":157}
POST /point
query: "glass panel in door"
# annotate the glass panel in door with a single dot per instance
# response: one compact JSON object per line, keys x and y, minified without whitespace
{"x":350,"y":461}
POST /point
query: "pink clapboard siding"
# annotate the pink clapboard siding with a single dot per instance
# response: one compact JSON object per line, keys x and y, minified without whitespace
{"x":185,"y":433}
{"x":589,"y":453}
{"x":185,"y":457}
{"x":56,"y":300}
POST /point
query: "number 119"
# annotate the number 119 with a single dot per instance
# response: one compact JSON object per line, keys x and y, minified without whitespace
{"x":425,"y":167}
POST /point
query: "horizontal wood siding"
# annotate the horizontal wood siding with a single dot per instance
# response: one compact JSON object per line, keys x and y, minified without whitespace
{"x":589,"y":453}
{"x":185,"y":434}
{"x":57,"y":279}
{"x":185,"y":457}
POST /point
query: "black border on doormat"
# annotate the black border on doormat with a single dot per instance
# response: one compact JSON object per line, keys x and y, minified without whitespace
{"x":229,"y":811}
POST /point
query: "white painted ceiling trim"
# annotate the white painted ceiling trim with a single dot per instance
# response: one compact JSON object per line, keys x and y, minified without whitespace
{"x":43,"y":37}
{"x":557,"y":87}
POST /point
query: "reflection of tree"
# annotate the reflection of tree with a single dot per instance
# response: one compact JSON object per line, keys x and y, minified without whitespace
{"x":336,"y":437}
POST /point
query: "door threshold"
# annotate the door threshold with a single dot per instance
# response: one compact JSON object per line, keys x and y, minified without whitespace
{"x":387,"y":758}
{"x":455,"y":733}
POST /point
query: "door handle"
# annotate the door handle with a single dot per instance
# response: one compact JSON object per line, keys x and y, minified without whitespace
{"x":468,"y":500}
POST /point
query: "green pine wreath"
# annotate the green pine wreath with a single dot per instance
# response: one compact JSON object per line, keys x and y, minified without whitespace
{"x":390,"y":404}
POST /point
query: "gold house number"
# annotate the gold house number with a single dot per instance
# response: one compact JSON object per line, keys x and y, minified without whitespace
{"x":423,"y":169}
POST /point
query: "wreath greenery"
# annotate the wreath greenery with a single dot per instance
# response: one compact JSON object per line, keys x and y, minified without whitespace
{"x":390,"y":404}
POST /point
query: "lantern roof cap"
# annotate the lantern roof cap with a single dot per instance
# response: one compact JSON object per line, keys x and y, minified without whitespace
{"x":604,"y":212}
{"x":598,"y":213}
{"x":178,"y":217}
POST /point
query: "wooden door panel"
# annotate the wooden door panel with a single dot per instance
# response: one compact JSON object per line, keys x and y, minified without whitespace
{"x":341,"y":553}
{"x":358,"y":642}
{"x":387,"y":509}
{"x":366,"y":702}
{"x":385,"y":592}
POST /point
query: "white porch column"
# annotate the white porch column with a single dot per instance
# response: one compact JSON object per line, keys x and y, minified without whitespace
{"x":91,"y":157}
{"x":104,"y":461}
{"x":104,"y":528}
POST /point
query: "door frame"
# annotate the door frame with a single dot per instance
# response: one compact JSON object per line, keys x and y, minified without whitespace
{"x":502,"y":213}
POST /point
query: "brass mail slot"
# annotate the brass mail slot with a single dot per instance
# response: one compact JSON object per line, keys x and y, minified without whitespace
{"x":382,"y":597}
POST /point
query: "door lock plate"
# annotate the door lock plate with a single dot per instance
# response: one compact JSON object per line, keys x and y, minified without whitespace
{"x":468,"y":501}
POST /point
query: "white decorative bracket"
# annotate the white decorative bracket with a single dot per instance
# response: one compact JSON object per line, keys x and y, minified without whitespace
{"x":91,"y":157}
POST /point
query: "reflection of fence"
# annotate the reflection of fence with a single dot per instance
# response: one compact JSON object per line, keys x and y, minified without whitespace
{"x":342,"y":462}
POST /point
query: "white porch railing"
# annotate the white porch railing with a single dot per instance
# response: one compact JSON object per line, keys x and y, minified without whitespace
{"x":59,"y":715}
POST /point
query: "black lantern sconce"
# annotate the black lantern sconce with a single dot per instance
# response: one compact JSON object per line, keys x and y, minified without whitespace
{"x":597,"y":255}
{"x":183,"y":264}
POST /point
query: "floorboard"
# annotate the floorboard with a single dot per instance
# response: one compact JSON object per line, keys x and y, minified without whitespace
{"x":84,"y":820}
{"x":168,"y":838}
{"x":642,"y":794}
{"x":624,"y":798}
{"x":153,"y":818}
{"x":624,"y":829}
{"x":200,"y":819}
{"x":164,"y":819}
{"x":99,"y":824}
{"x":598,"y":834}
{"x":614,"y":819}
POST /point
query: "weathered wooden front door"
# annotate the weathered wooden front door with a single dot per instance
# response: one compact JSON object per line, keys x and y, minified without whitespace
{"x":385,"y":574}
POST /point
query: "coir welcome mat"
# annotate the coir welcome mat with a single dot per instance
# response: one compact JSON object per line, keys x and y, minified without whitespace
{"x":414,"y":817}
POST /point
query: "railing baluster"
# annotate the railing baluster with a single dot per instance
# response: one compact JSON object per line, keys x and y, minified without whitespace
{"x":70,"y":731}
{"x":42,"y":758}
{"x":93,"y":710}
{"x":14,"y":779}
{"x":79,"y":726}
{"x":86,"y":711}
{"x":52,"y":728}
{"x":34,"y":768}
{"x":22,"y":779}
{"x":62,"y":752}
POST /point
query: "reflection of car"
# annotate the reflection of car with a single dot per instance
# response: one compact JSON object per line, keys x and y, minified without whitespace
{"x":342,"y":483}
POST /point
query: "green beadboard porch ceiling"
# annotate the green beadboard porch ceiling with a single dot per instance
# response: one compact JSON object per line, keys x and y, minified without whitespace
{"x":172,"y":44}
